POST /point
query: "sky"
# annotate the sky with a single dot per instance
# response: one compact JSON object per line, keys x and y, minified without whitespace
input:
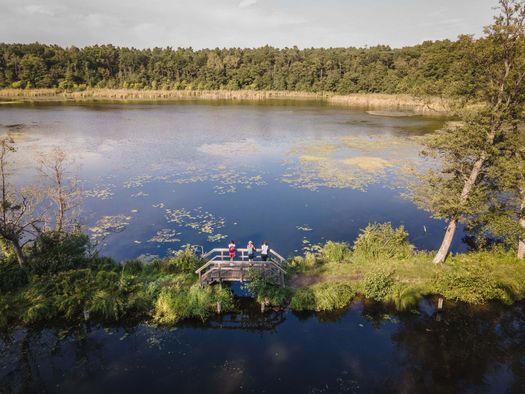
{"x":241,"y":23}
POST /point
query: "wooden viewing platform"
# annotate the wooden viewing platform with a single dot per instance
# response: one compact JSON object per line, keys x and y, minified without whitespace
{"x":219,"y":268}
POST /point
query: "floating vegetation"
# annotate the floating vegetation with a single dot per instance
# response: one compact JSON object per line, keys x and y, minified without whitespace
{"x":138,"y":181}
{"x":337,"y":166}
{"x":230,"y":149}
{"x":109,"y":224}
{"x":368,"y":163}
{"x":216,"y":237}
{"x":139,"y":194}
{"x":202,"y":221}
{"x":304,"y":228}
{"x":102,"y":192}
{"x":309,"y":247}
{"x":219,"y":189}
{"x":166,"y":235}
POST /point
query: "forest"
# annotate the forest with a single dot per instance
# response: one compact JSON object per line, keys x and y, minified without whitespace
{"x":432,"y":67}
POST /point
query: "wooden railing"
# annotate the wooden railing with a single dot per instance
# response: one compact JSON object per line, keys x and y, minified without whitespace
{"x":220,"y":267}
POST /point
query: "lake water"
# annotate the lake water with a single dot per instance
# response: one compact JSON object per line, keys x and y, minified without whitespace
{"x":363,"y":349}
{"x":156,"y":177}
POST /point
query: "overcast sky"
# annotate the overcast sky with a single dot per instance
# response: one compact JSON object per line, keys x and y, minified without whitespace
{"x":240,"y":23}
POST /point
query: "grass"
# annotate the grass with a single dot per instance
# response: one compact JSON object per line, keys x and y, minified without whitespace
{"x":382,"y":265}
{"x":366,"y":100}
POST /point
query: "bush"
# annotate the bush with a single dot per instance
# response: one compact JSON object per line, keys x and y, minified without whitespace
{"x":471,"y":283}
{"x":175,"y":304}
{"x":12,"y":276}
{"x":303,"y":300}
{"x":322,"y":297}
{"x":332,"y":296}
{"x":377,"y":284}
{"x":133,"y":267}
{"x":184,"y":261}
{"x":404,"y":297}
{"x":266,"y":292}
{"x":382,"y":241}
{"x":337,"y":252}
{"x":53,"y":252}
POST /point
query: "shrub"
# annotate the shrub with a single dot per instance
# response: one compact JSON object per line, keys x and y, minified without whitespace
{"x":404,"y":297}
{"x":471,"y":283}
{"x":377,"y":284}
{"x":382,"y":241}
{"x":184,"y":261}
{"x":266,"y":292}
{"x":12,"y":276}
{"x":133,"y":267}
{"x":175,"y":304}
{"x":337,"y":252}
{"x":322,"y":297}
{"x":53,"y":252}
{"x":332,"y":296}
{"x":303,"y":300}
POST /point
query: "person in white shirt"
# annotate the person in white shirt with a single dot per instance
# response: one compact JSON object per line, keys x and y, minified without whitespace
{"x":265,"y":249}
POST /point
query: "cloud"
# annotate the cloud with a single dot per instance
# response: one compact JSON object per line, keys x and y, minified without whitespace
{"x":38,"y":9}
{"x":247,"y":3}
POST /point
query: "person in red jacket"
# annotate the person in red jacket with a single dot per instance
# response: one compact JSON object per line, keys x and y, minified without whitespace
{"x":232,"y":250}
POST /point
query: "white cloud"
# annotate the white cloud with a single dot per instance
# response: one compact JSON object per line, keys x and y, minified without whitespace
{"x":247,"y":3}
{"x":38,"y":9}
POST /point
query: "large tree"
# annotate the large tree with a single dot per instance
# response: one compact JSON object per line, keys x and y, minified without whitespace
{"x":489,"y":104}
{"x":18,"y":207}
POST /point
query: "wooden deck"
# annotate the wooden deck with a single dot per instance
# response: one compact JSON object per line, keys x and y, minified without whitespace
{"x":219,"y":268}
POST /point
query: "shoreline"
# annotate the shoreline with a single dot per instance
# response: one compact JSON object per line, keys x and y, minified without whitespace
{"x":399,"y":102}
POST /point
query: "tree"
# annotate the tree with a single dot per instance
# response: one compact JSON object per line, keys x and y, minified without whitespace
{"x":18,"y":219}
{"x":62,"y":189}
{"x":493,"y":103}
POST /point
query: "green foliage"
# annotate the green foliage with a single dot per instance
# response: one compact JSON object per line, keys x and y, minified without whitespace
{"x":12,"y":276}
{"x":133,"y":267}
{"x":332,"y":296}
{"x":382,"y":242}
{"x":74,"y":294}
{"x":303,"y":299}
{"x":53,"y":252}
{"x":176,"y":304}
{"x":377,"y":283}
{"x":427,"y":68}
{"x":184,"y":261}
{"x":474,"y":283}
{"x":327,"y":296}
{"x":337,"y":252}
{"x":266,"y":292}
{"x":404,"y":297}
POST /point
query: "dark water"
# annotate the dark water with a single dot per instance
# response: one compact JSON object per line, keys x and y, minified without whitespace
{"x":159,"y":176}
{"x":363,"y":349}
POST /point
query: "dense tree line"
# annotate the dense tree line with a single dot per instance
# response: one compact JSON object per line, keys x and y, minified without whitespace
{"x":429,"y":67}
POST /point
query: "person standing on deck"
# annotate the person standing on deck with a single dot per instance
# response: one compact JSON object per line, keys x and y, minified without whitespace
{"x":232,"y":250}
{"x":251,"y":250}
{"x":265,"y":249}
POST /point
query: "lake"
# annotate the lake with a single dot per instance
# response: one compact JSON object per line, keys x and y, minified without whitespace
{"x":158,"y":176}
{"x":365,"y":348}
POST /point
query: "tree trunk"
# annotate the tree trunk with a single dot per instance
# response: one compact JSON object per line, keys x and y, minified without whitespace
{"x":18,"y":253}
{"x":452,"y":226}
{"x":521,"y":242}
{"x":447,"y":241}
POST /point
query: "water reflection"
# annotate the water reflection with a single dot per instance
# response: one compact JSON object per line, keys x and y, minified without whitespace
{"x":365,"y":348}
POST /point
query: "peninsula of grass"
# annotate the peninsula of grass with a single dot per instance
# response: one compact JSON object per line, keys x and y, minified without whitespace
{"x":63,"y":283}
